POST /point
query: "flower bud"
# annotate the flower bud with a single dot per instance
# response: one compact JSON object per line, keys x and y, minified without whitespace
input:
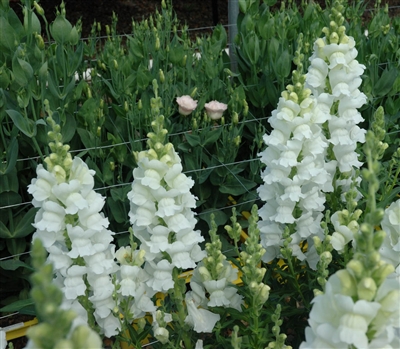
{"x":379,"y":236}
{"x":380,"y":274}
{"x":326,"y":257}
{"x":334,"y":38}
{"x":157,"y":44}
{"x":235,"y":118}
{"x":366,"y":289}
{"x":39,"y":41}
{"x":245,"y":108}
{"x":356,"y":267}
{"x":162,"y":77}
{"x":237,"y":140}
{"x":348,"y":283}
{"x":205,"y":274}
{"x":193,"y":92}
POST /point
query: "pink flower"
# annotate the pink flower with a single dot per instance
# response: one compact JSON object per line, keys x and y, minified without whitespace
{"x":186,"y":104}
{"x":215,"y":109}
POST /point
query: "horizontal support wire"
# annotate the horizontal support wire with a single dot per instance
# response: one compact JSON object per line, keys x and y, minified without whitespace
{"x":142,"y":140}
{"x":129,"y":183}
{"x":127,"y":231}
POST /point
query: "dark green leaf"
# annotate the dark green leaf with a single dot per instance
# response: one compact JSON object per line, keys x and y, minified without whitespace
{"x":385,"y":82}
{"x":143,"y":77}
{"x":26,"y":126}
{"x":8,"y":35}
{"x":17,"y":306}
{"x":11,"y":157}
{"x":220,"y":218}
{"x":60,"y":29}
{"x":236,"y":185}
{"x":212,"y":136}
{"x":24,"y":226}
{"x":14,"y":264}
{"x":193,"y":140}
{"x":117,"y":209}
{"x":8,"y":198}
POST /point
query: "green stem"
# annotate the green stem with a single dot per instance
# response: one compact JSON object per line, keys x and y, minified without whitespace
{"x":35,"y":143}
{"x":178,"y":298}
{"x":296,"y":283}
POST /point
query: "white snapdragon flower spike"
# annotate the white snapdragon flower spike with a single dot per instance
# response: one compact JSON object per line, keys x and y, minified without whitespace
{"x":69,"y":207}
{"x":296,"y":176}
{"x":334,"y":64}
{"x":340,"y":320}
{"x":161,"y":211}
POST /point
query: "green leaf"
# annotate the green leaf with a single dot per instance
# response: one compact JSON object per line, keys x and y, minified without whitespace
{"x":24,"y":226}
{"x":18,"y":305}
{"x":9,"y":181}
{"x":117,"y":209}
{"x":212,"y":136}
{"x":220,"y":218}
{"x":11,"y":157}
{"x":193,"y":140}
{"x":8,"y":36}
{"x":143,"y":77}
{"x":385,"y":82}
{"x":22,"y":71}
{"x":26,"y":126}
{"x":120,"y":194}
{"x":283,"y":65}
{"x":236,"y":185}
{"x":112,"y":91}
{"x":252,"y":47}
{"x":60,"y":29}
{"x":14,"y":264}
{"x":16,"y":246}
{"x":4,"y":232}
{"x":8,"y":198}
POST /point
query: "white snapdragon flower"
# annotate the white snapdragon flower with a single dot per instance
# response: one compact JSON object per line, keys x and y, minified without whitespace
{"x":201,"y":319}
{"x":221,"y":291}
{"x":390,"y":249}
{"x":160,"y":321}
{"x":74,"y":284}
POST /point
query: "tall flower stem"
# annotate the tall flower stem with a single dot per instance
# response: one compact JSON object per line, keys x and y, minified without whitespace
{"x":177,"y":295}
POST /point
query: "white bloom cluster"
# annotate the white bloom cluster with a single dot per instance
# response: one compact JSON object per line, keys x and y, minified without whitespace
{"x":346,"y":226}
{"x":132,"y":278}
{"x":335,"y":70}
{"x":160,"y":321}
{"x":220,"y":289}
{"x":339,"y":319}
{"x":390,"y":249}
{"x":75,"y":234}
{"x":161,"y":215}
{"x":296,"y":174}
